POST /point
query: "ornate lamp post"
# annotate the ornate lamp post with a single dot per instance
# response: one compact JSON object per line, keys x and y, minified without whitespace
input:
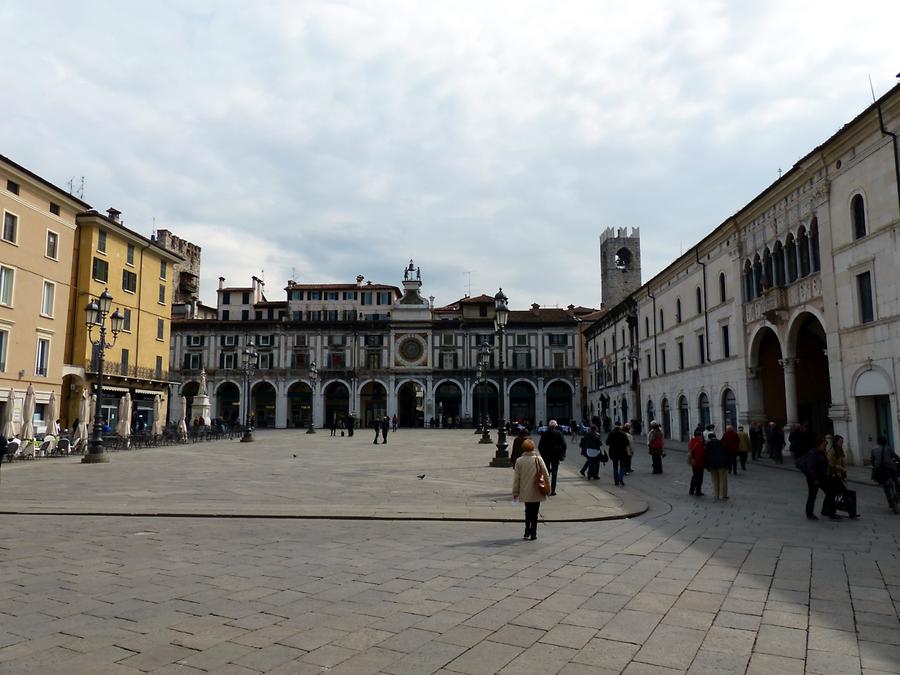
{"x":95,"y":317}
{"x":484,"y":352}
{"x":251,"y":361}
{"x":501,"y":315}
{"x":313,"y":378}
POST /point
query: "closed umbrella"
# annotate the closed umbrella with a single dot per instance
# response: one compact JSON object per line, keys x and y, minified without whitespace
{"x":28,"y":414}
{"x":120,"y":414}
{"x":182,"y":426}
{"x":8,"y":429}
{"x":52,"y":414}
{"x":126,"y":415}
{"x":157,"y":415}
{"x":82,"y":432}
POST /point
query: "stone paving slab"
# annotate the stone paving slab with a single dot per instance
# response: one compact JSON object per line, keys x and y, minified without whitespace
{"x":292,"y":474}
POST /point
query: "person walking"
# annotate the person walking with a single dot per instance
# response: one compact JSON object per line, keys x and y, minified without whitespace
{"x":717,"y":462}
{"x":394,"y":422}
{"x":552,"y":447}
{"x":618,"y":452}
{"x":732,"y":443}
{"x":524,"y":486}
{"x":376,"y":425}
{"x":626,"y":429}
{"x":814,"y":466}
{"x":799,"y":442}
{"x":349,"y":423}
{"x":591,"y":448}
{"x":745,"y":447}
{"x":333,"y":425}
{"x":696,"y":458}
{"x":837,"y":477}
{"x":757,"y":440}
{"x":516,"y":451}
{"x":655,"y":446}
{"x":385,"y":428}
{"x":775,"y":442}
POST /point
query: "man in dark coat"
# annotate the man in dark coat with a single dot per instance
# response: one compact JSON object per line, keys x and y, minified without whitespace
{"x":350,"y":423}
{"x":552,"y":448}
{"x":618,"y":453}
{"x":815,"y":467}
{"x":385,"y":428}
{"x":376,"y":425}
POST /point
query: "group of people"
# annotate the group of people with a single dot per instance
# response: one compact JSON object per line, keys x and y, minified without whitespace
{"x":719,"y":456}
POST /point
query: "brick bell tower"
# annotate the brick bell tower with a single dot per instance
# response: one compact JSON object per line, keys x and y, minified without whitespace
{"x":620,"y":264}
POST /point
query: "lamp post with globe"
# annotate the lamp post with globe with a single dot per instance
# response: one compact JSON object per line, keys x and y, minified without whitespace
{"x":96,"y":313}
{"x":501,"y":316}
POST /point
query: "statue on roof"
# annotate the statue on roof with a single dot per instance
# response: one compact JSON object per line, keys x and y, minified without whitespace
{"x":418,"y":274}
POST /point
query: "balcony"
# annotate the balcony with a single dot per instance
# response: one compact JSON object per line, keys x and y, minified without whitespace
{"x":775,"y":302}
{"x":115,"y":369}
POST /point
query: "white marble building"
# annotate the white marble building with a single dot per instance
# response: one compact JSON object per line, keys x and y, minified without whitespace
{"x":786,"y":311}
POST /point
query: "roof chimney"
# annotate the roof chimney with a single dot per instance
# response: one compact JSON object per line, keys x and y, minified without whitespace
{"x":221,"y":283}
{"x":359,"y":279}
{"x":113,"y":214}
{"x":535,"y":307}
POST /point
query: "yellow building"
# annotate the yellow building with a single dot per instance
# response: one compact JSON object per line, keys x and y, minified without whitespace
{"x":139,"y":275}
{"x":36,"y":244}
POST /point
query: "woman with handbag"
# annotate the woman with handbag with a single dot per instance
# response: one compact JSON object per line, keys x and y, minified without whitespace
{"x":837,"y":478}
{"x":531,"y":484}
{"x":591,"y":448}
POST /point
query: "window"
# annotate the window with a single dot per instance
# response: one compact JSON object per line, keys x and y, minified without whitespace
{"x":448,"y":360}
{"x":263,"y":340}
{"x":266,"y":360}
{"x":521,"y":340}
{"x":522,"y":360}
{"x":866,"y":304}
{"x":349,"y":295}
{"x":662,"y":359}
{"x":558,"y":340}
{"x":448,"y":339}
{"x":370,"y":340}
{"x":681,"y":356}
{"x":195,"y":340}
{"x":315,"y":295}
{"x":228,"y":340}
{"x":245,"y":315}
{"x":662,"y":323}
{"x":12,"y":187}
{"x":228,"y":360}
{"x":129,"y":281}
{"x":722,"y":287}
{"x":336,"y":359}
{"x":482,"y":310}
{"x":100,"y":270}
{"x":245,"y":298}
{"x":129,"y":256}
{"x":47,"y":296}
{"x":124,"y":361}
{"x":300,"y":340}
{"x":101,"y":241}
{"x":226,"y":298}
{"x":726,"y":343}
{"x":646,"y":326}
{"x":373,"y":360}
{"x":858,"y":216}
{"x":159,"y":366}
{"x":699,"y":296}
{"x":678,"y":310}
{"x":331,"y":295}
{"x":4,"y":340}
{"x":814,"y":245}
{"x":383,"y":298}
{"x":258,"y":315}
{"x":10,"y":227}
{"x":226,"y":315}
{"x":160,"y":329}
{"x":193,"y":361}
{"x":559,"y":359}
{"x":330,"y":315}
{"x":7,"y":278}
{"x":298,"y":360}
{"x":366,"y":298}
{"x":163,"y":269}
{"x":52,"y":250}
{"x":54,"y":209}
{"x":701,"y":348}
{"x":649,"y":367}
{"x":42,"y":357}
{"x":162,"y":294}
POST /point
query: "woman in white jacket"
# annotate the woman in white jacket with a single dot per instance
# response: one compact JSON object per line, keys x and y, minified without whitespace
{"x":524,"y":487}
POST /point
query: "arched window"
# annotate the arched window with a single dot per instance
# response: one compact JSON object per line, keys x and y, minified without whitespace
{"x":623,"y":259}
{"x":790,"y":252}
{"x":814,"y":244}
{"x":858,"y":216}
{"x":651,"y":413}
{"x":767,"y":268}
{"x":748,"y":281}
{"x":778,"y":264}
{"x":729,"y":408}
{"x":722,"y":288}
{"x":757,"y":276}
{"x":703,"y":408}
{"x":662,"y":323}
{"x":803,"y":251}
{"x":699,"y":296}
{"x":678,"y":310}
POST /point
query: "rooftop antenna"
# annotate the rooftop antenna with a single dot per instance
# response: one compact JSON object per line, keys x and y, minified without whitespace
{"x":779,"y":172}
{"x":79,"y":191}
{"x":469,"y":284}
{"x":871,"y":88}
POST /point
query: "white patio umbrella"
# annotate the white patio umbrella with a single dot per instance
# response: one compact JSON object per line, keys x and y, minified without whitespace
{"x":157,"y":415}
{"x":28,"y":414}
{"x":84,"y":411}
{"x":182,"y":425}
{"x":126,"y":415}
{"x":8,"y":429}
{"x":52,"y":414}
{"x":120,"y":414}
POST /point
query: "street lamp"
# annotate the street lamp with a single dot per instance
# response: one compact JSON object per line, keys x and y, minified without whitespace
{"x":95,"y":316}
{"x":484,"y":352}
{"x":313,"y":377}
{"x":251,"y":361}
{"x":501,"y":315}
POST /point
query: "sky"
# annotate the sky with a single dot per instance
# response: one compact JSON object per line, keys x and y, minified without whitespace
{"x":490,"y":141}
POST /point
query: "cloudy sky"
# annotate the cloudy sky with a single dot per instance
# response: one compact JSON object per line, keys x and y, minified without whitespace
{"x":488,"y":140}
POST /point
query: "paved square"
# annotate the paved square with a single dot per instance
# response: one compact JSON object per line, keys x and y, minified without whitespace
{"x":744,"y":586}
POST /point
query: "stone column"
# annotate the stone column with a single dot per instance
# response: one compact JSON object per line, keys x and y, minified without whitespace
{"x":281,"y":404}
{"x":790,"y":389}
{"x":540,"y":402}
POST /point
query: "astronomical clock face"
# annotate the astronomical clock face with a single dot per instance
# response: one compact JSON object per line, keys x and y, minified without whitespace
{"x":410,"y":350}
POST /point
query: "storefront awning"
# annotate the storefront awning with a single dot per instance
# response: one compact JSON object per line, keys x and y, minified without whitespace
{"x":149,"y":392}
{"x":109,"y":387}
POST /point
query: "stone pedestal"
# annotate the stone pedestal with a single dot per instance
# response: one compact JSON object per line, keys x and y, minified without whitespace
{"x":200,"y":408}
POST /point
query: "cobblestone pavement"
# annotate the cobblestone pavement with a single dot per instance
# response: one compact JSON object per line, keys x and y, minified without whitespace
{"x":743,"y":586}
